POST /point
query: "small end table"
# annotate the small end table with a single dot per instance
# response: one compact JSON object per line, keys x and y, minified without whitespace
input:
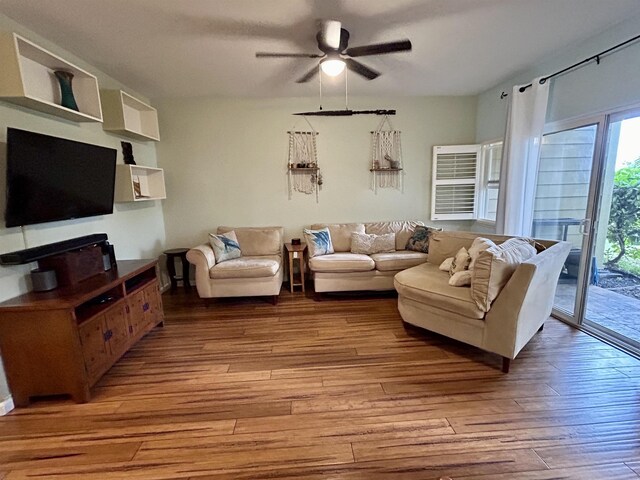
{"x":172,"y":254}
{"x":296,"y":252}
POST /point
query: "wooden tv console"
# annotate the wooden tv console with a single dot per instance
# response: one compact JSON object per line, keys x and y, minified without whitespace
{"x":63,"y":341}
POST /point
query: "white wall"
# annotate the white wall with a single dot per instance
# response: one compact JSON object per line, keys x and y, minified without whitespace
{"x":137,"y":231}
{"x":225,"y":162}
{"x":592,"y":88}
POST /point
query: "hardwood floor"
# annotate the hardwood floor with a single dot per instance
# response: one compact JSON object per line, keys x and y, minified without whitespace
{"x":336,"y":389}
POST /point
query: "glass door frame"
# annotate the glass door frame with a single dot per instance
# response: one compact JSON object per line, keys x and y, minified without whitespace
{"x":584,"y":267}
{"x":603,"y":121}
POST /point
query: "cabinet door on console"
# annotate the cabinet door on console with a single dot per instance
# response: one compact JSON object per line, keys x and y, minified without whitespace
{"x":94,"y":346}
{"x":136,"y":312}
{"x":153,"y":300}
{"x":119,"y":338}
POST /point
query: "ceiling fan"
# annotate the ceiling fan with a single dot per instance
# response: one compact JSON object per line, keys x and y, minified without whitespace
{"x":333,"y":42}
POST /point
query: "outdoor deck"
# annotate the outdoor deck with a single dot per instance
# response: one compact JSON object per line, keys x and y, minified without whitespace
{"x":610,"y":309}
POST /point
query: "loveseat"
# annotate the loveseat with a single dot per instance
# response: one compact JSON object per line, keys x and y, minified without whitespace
{"x":427,"y":300}
{"x":346,"y":271}
{"x":257,"y":272}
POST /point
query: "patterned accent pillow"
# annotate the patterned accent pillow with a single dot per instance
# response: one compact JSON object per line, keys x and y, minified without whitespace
{"x":225,"y":246}
{"x":368,"y":243}
{"x":460,"y":262}
{"x":318,"y":241}
{"x":419,"y":241}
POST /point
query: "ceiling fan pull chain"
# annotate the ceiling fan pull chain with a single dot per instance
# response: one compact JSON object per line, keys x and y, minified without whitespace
{"x":320,"y":76}
{"x":346,"y":89}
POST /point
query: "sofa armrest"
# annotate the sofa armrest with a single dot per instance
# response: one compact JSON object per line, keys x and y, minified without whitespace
{"x":202,"y":256}
{"x":525,"y":302}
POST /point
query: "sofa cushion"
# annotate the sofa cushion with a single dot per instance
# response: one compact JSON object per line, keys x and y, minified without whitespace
{"x":318,"y":241}
{"x":494,"y":268}
{"x":257,"y":240}
{"x":368,"y":243}
{"x":399,"y":260}
{"x":341,"y":234}
{"x":479,"y":244}
{"x":247,"y":267}
{"x":225,"y":246}
{"x":403,"y":230}
{"x":342,"y":262}
{"x":427,"y":284}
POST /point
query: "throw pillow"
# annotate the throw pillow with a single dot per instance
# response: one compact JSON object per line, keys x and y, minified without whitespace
{"x":460,"y":262}
{"x":461,"y":279}
{"x":367,"y":243}
{"x":419,"y":241}
{"x":480,"y":244}
{"x":446,"y":265}
{"x":318,"y":241}
{"x":494,"y":268}
{"x":225,"y":246}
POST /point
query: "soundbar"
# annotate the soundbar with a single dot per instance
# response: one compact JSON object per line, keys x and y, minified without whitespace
{"x":29,"y":255}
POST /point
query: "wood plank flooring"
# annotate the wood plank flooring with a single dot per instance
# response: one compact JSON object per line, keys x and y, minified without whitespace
{"x":337,"y":389}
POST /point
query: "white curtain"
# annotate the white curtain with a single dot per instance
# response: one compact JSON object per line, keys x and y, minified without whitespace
{"x":521,"y":152}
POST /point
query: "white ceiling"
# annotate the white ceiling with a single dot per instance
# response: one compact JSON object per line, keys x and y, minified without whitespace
{"x":206,"y":47}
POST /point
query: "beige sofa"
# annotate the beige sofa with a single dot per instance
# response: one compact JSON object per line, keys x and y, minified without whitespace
{"x":346,"y":271}
{"x":426,"y":299}
{"x":258,"y":272}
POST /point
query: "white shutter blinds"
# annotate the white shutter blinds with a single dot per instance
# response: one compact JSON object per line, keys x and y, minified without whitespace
{"x":454,"y":190}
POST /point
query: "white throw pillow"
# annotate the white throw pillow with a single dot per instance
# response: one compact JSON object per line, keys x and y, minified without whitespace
{"x":367,"y":243}
{"x":461,"y":279}
{"x":494,"y":268}
{"x":446,"y":265}
{"x":225,"y":246}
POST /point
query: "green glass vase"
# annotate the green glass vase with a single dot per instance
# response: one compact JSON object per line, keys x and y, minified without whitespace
{"x":67,"y":99}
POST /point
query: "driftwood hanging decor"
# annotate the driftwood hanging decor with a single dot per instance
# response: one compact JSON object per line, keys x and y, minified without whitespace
{"x":386,"y":157}
{"x":303,"y":170}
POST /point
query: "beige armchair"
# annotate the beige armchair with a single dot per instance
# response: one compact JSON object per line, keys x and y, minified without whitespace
{"x":258,"y":272}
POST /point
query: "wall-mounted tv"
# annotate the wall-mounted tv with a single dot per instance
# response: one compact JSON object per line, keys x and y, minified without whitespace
{"x":51,"y":179}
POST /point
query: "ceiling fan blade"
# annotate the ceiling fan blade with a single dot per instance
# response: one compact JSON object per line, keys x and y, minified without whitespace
{"x":361,"y":69}
{"x":287,"y":55}
{"x":309,"y":75}
{"x":379,"y":48}
{"x":330,"y":32}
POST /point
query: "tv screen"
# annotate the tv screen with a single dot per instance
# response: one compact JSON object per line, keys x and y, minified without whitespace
{"x":51,"y":178}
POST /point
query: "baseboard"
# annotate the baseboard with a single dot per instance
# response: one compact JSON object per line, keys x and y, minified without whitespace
{"x":6,"y":406}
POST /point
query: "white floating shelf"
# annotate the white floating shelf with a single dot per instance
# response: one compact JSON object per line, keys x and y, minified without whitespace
{"x":135,"y":183}
{"x":126,"y":115}
{"x":27,"y":79}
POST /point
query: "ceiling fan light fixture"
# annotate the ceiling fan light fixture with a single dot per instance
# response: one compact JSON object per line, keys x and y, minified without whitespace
{"x":332,"y":66}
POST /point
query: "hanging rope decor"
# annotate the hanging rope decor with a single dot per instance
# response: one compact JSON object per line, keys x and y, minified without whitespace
{"x":386,"y":157}
{"x":303,"y":170}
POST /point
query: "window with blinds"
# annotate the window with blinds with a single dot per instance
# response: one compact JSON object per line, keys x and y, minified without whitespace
{"x":455,"y":182}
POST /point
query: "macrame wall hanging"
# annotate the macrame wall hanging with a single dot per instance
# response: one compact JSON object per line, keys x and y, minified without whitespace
{"x":386,"y":157}
{"x":304,"y":174}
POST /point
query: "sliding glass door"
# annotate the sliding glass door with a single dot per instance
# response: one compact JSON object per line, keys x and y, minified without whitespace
{"x":613,"y":295}
{"x":588,"y":193}
{"x":562,"y":209}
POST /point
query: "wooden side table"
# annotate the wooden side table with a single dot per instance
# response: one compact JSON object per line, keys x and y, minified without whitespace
{"x":172,"y":254}
{"x":296,"y":252}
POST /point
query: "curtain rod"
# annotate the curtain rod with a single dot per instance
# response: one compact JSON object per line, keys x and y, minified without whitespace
{"x":595,"y":57}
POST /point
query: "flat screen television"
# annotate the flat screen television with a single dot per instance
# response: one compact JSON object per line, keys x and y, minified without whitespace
{"x":50,"y":178}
